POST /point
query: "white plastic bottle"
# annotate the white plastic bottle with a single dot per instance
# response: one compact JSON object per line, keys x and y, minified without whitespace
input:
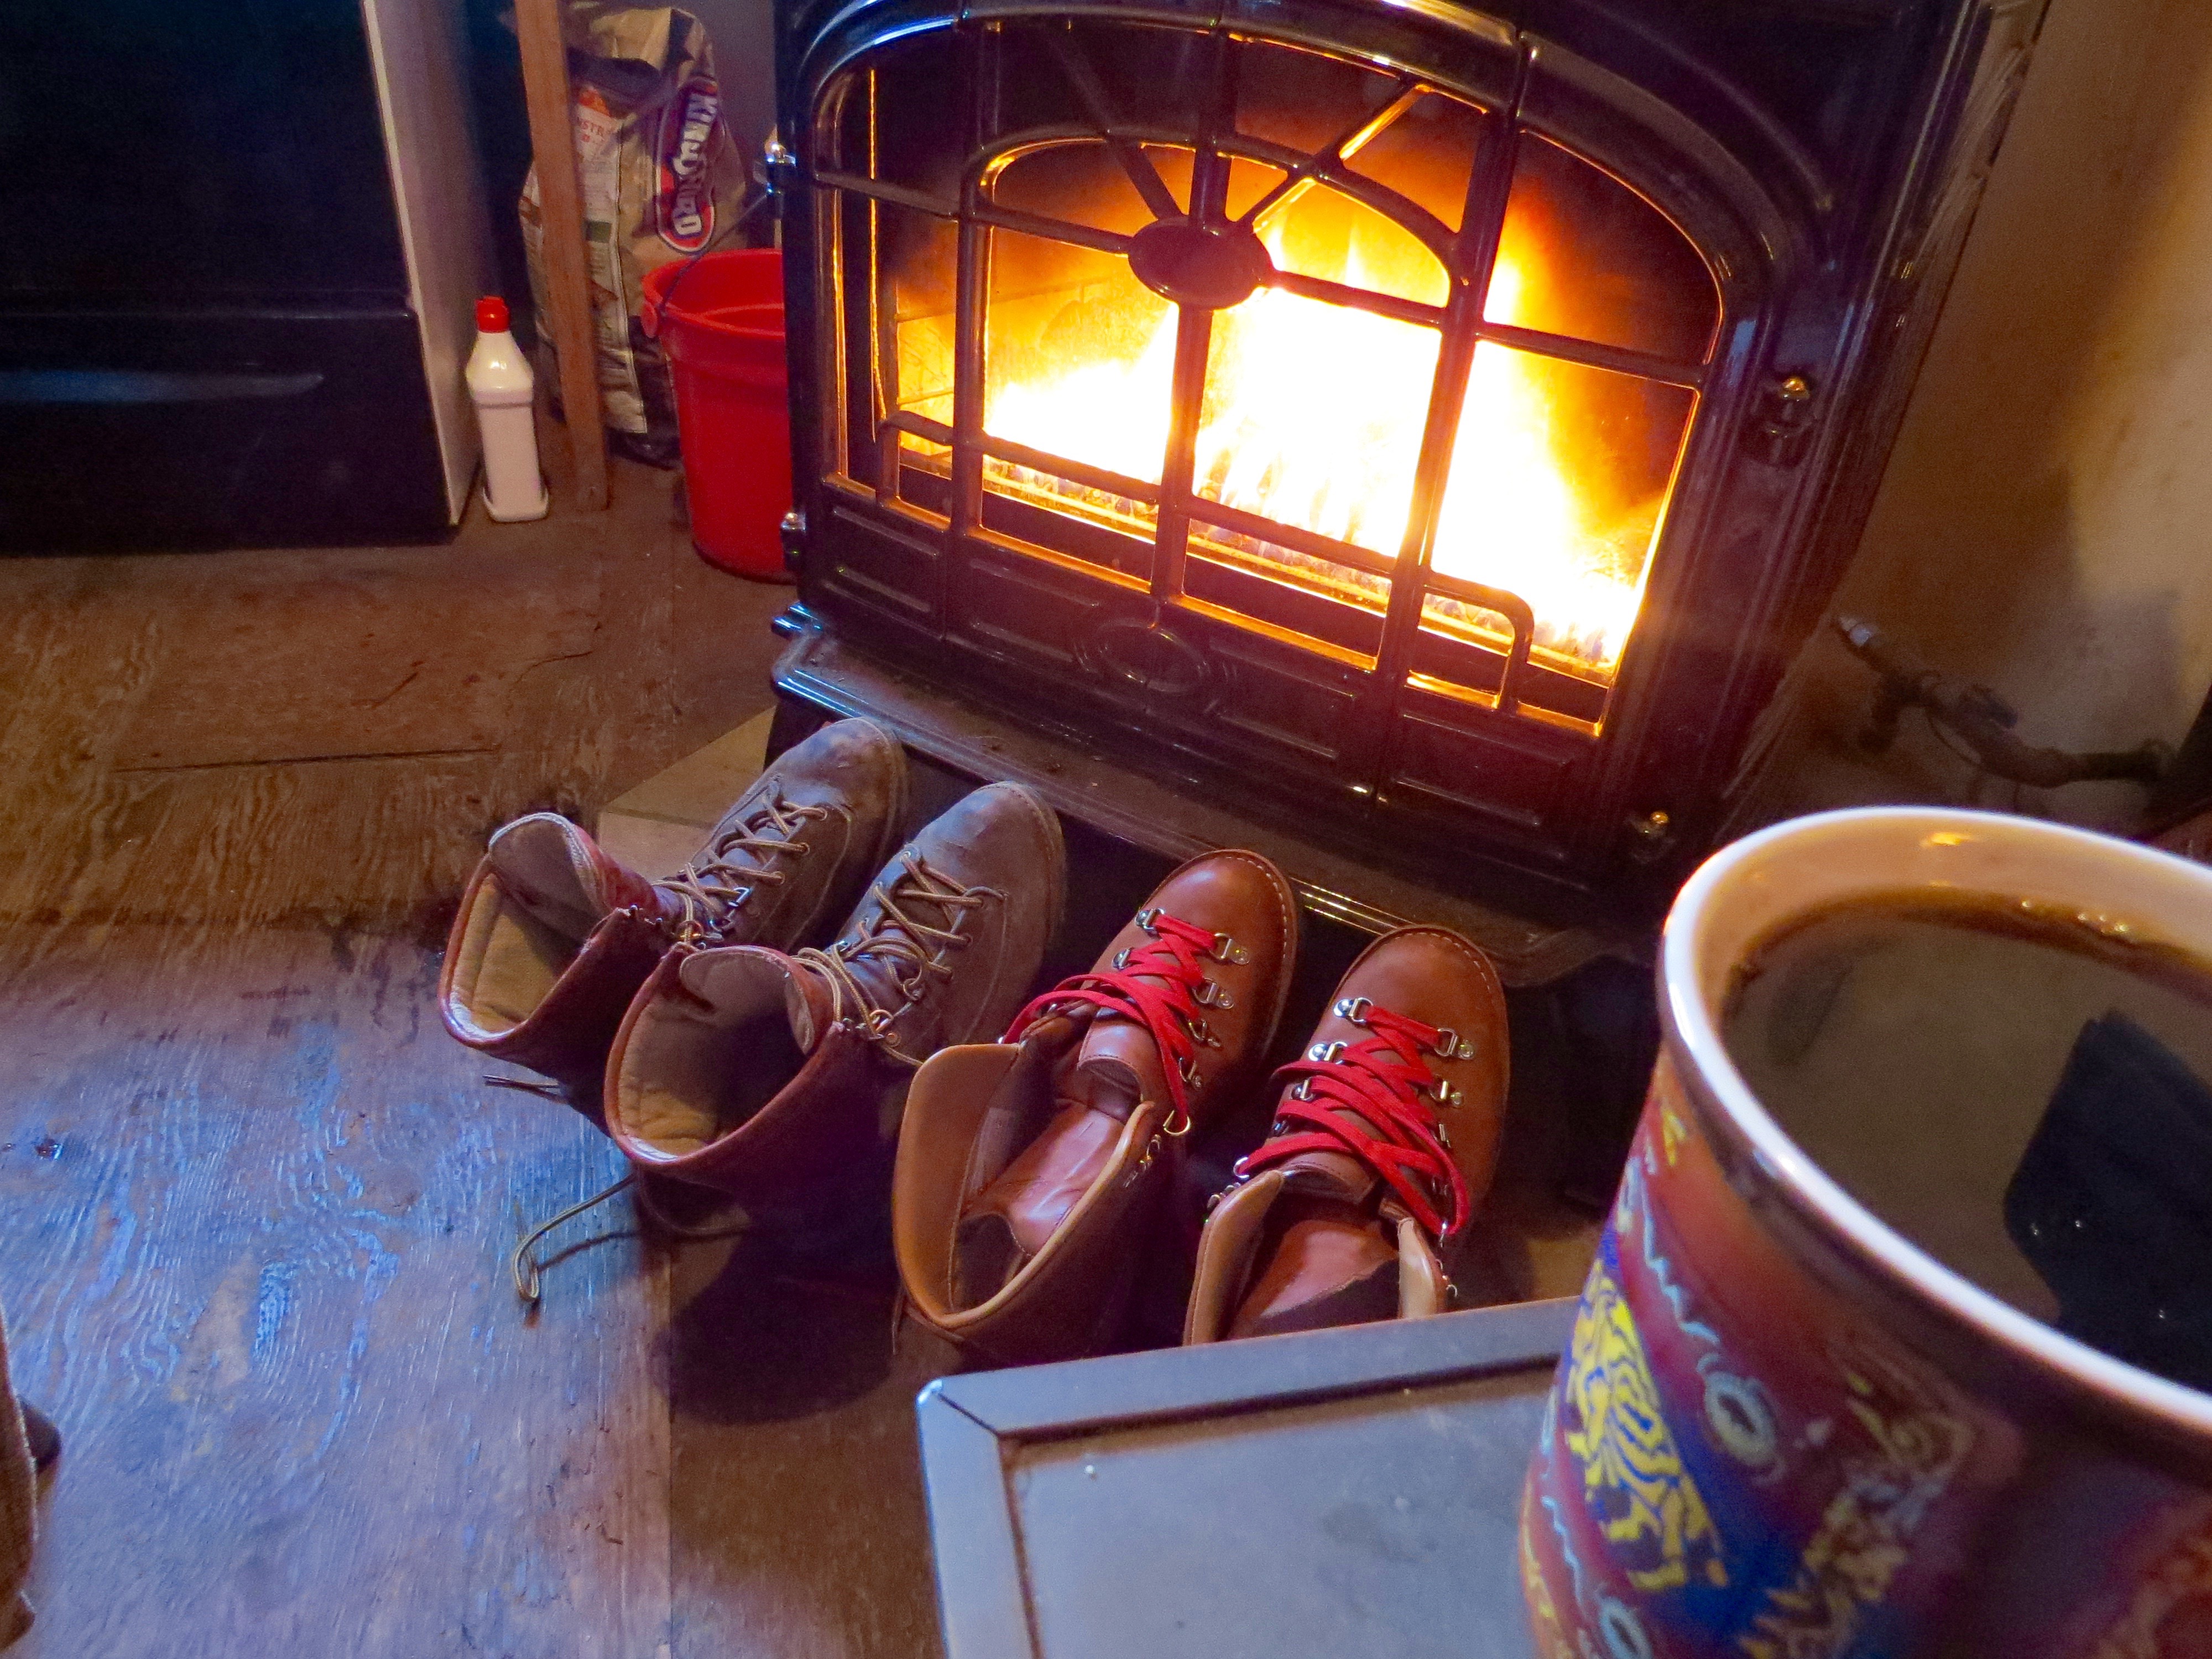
{"x":501,"y":385}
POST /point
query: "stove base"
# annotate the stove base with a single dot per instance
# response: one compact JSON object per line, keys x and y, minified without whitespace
{"x":821,"y":676}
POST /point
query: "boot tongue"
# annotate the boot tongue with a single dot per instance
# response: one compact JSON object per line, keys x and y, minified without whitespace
{"x":555,"y":873}
{"x":874,"y":952}
{"x":1331,"y":1175}
{"x":1336,"y":1187}
{"x":807,"y":1003}
{"x":700,"y":888}
{"x":1117,"y":1069}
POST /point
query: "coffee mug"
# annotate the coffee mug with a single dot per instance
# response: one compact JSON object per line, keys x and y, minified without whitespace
{"x":1784,"y":1431}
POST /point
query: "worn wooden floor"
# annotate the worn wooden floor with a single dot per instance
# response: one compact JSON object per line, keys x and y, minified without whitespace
{"x":257,"y":1206}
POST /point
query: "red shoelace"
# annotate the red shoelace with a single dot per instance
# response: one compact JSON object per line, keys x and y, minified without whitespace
{"x":1177,"y":953}
{"x":1382,"y":1079}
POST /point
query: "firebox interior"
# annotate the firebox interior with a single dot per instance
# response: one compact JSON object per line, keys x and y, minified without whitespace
{"x":1270,"y":335}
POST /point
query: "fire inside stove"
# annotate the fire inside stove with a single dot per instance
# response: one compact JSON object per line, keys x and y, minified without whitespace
{"x":1313,"y":417}
{"x":1353,"y":331}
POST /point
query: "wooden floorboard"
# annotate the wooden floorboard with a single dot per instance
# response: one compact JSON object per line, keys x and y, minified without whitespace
{"x":259,"y":1205}
{"x":258,"y":1201}
{"x":673,"y":655}
{"x":796,"y":1523}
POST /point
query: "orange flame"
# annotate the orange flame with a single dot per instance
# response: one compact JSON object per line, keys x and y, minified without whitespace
{"x":1313,"y":417}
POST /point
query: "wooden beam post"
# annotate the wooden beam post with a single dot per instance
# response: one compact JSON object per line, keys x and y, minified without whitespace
{"x":561,"y":213}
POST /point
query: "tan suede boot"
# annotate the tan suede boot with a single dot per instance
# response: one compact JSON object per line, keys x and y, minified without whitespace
{"x":554,"y":937}
{"x":778,"y":1078}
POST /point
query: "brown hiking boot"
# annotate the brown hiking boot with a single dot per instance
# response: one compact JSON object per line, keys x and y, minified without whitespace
{"x":777,"y":1078}
{"x":1384,"y":1141}
{"x":554,"y":937}
{"x":1030,"y":1171}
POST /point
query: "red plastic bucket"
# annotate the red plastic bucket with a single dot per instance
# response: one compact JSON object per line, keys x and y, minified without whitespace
{"x":722,"y":328}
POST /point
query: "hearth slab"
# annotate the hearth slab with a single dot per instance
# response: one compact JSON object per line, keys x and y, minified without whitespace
{"x":656,"y":826}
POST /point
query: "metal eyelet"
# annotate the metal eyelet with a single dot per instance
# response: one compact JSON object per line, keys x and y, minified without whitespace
{"x":1120,"y":959}
{"x":703,"y":933}
{"x":1446,"y":1096}
{"x":1227,"y":950}
{"x":1211,"y":994}
{"x":1326,"y":1053}
{"x":1450,"y":1047}
{"x":1149,"y":920}
{"x":1152,"y":1149}
{"x":1178,"y":1122}
{"x":1355,"y":1009}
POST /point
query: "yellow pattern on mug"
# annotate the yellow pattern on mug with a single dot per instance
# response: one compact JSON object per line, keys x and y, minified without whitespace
{"x":1913,"y":1448}
{"x":1625,"y":1448}
{"x":1543,"y":1616}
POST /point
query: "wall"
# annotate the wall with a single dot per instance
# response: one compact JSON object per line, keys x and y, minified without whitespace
{"x":744,"y":33}
{"x":2046,"y":526}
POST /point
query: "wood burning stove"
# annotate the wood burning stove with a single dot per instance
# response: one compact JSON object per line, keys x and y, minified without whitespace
{"x":1427,"y":430}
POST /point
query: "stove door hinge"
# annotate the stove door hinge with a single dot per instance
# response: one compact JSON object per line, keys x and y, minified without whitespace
{"x":1782,"y":423}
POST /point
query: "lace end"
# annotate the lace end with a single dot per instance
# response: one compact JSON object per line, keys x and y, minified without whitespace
{"x":529,"y":1276}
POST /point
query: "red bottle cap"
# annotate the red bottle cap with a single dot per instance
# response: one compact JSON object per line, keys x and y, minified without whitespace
{"x":491,"y":315}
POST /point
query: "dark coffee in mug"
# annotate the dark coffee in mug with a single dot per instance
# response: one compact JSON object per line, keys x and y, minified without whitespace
{"x":2025,"y":1093}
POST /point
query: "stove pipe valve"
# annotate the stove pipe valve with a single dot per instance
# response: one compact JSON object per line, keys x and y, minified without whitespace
{"x":1979,"y":718}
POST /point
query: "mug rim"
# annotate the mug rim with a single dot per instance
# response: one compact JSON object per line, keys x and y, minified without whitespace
{"x":1690,"y":1018}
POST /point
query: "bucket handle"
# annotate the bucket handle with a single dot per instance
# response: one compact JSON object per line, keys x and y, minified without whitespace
{"x":649,"y":309}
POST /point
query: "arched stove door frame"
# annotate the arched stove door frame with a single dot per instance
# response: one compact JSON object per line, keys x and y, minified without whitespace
{"x":1571,"y":813}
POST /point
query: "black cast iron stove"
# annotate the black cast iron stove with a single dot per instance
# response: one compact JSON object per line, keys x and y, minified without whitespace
{"x":1410,"y":439}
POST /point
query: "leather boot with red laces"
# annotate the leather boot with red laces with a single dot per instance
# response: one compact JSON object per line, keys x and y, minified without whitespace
{"x":554,"y":937}
{"x":1030,"y":1171}
{"x":1385,"y":1137}
{"x":778,"y":1078}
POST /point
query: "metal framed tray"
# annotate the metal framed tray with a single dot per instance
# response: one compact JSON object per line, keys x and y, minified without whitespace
{"x":1344,"y":1491}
